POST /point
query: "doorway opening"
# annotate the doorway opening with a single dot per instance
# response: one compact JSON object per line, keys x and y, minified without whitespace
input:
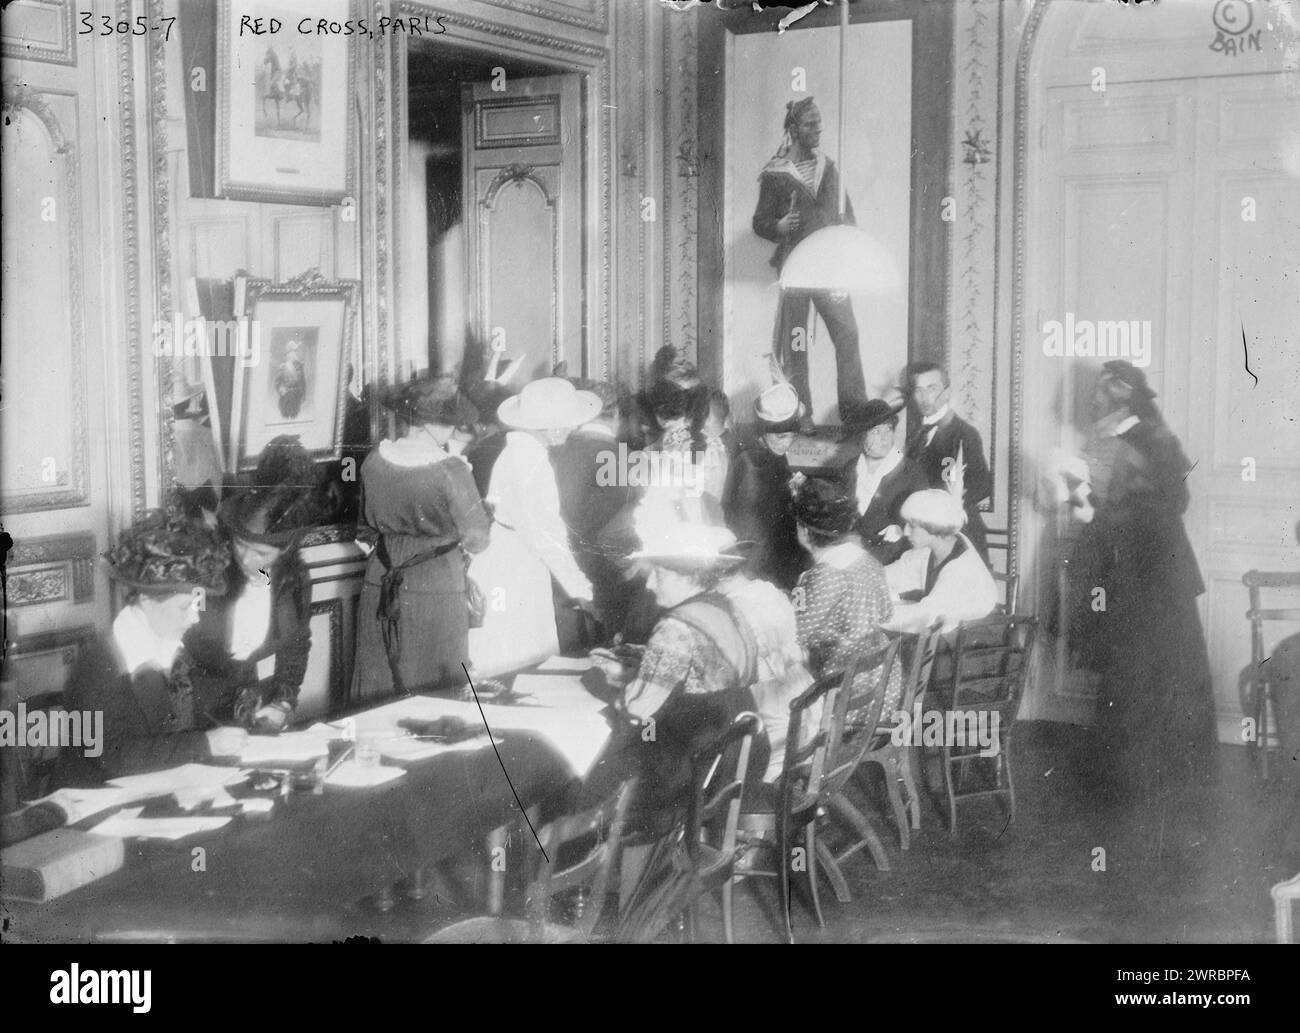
{"x":496,"y":193}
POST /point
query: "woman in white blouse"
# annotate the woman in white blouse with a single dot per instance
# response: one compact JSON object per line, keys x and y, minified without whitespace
{"x":530,"y":541}
{"x":941,"y":576}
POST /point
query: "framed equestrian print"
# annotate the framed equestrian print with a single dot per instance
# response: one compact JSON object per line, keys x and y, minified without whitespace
{"x":284,"y":103}
{"x":291,"y":381}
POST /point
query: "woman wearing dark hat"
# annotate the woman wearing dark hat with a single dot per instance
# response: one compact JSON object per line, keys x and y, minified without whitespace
{"x":881,"y":479}
{"x":251,"y":648}
{"x":1155,"y":705}
{"x":842,"y":602}
{"x":137,"y":674}
{"x":422,"y":513}
{"x":758,"y":501}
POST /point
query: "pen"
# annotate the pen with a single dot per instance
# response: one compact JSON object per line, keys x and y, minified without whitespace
{"x":342,"y":757}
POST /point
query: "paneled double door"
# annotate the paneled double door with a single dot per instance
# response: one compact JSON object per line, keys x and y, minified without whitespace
{"x":1176,"y":203}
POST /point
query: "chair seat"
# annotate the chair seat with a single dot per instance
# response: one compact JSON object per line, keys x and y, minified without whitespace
{"x":487,"y":929}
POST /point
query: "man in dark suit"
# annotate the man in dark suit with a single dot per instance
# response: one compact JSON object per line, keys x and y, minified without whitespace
{"x":881,"y":479}
{"x":946,"y":446}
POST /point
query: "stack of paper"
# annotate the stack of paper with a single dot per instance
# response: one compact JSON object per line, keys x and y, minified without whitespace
{"x":127,"y":824}
{"x":286,"y":748}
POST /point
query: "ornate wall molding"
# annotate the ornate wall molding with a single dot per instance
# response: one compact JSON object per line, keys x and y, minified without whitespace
{"x":59,"y":49}
{"x":339,"y":680}
{"x":21,"y":97}
{"x":681,"y":172}
{"x":131,"y":257}
{"x":1018,"y":247}
{"x":162,"y":240}
{"x":556,"y":11}
{"x":52,"y":568}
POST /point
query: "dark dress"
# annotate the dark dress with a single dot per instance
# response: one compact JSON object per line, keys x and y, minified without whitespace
{"x":152,"y":719}
{"x":883,"y":510}
{"x":421,"y":517}
{"x":1155,"y":725}
{"x":760,"y":508}
{"x":222,"y":678}
{"x":935,"y":459}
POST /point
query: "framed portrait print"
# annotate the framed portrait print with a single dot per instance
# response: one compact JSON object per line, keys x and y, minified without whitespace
{"x":291,"y":381}
{"x":284,"y":104}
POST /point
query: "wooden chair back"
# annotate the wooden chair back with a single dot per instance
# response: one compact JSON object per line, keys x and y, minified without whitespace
{"x":990,"y":664}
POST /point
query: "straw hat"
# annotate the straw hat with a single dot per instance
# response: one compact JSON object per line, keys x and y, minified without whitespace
{"x":551,"y":403}
{"x":690,"y":547}
{"x":778,"y":409}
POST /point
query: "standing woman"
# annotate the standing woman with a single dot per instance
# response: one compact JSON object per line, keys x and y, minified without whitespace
{"x":530,"y":541}
{"x":759,"y":501}
{"x":421,"y":512}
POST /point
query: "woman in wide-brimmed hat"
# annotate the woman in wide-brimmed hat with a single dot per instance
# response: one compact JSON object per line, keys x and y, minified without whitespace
{"x":422,"y":514}
{"x":759,"y":501}
{"x":698,"y":667}
{"x":138,"y":672}
{"x":530,"y":541}
{"x":881,"y":477}
{"x":252,"y":646}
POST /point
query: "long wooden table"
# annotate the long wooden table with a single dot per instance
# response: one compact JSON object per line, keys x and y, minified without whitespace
{"x":298,"y":869}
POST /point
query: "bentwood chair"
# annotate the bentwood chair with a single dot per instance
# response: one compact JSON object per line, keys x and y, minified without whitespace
{"x":897,"y":760}
{"x":821,"y":755}
{"x":1264,"y":688}
{"x":698,"y":856}
{"x":565,"y":900}
{"x":981,"y":695}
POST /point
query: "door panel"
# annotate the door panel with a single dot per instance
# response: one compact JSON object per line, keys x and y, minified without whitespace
{"x":523,"y":196}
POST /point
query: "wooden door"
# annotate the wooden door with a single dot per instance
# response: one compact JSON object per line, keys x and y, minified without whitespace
{"x":1169,"y":202}
{"x":522,"y":147}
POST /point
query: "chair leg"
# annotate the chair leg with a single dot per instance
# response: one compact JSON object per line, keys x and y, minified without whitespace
{"x":834,"y":873}
{"x":728,"y":893}
{"x":783,"y":860}
{"x":861,"y":824}
{"x":1005,"y":748}
{"x":909,"y":783}
{"x":896,"y":802}
{"x":811,"y":845}
{"x":952,"y":796}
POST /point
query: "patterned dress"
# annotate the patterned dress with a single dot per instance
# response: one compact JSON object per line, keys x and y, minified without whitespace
{"x":840,"y":605}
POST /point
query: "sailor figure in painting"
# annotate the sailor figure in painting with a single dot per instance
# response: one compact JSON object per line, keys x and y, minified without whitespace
{"x":799,"y":194}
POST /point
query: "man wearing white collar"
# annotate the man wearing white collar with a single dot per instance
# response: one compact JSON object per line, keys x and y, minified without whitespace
{"x":798,"y":195}
{"x":947,"y":447}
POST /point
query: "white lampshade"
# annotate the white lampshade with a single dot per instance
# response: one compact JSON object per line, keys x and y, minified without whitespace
{"x":840,"y":258}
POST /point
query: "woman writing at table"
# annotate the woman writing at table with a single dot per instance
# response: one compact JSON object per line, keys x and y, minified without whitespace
{"x":138,"y":674}
{"x":698,"y":668}
{"x":941,"y":576}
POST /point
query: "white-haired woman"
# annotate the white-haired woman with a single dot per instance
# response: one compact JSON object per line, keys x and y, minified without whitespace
{"x":942,"y":575}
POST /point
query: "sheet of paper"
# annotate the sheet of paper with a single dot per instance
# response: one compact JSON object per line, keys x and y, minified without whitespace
{"x":187,"y":776}
{"x":285,"y":748}
{"x":352,"y":776}
{"x":564,"y":665}
{"x":128,"y":824}
{"x":556,"y":690}
{"x":408,"y":749}
{"x":82,"y":803}
{"x":188,"y":799}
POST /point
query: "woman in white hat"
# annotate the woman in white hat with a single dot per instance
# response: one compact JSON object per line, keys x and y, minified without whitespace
{"x":942,"y":575}
{"x":530,"y":541}
{"x":759,"y":501}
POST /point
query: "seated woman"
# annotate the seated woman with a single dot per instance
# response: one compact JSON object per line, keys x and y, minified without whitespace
{"x":250,"y":648}
{"x":138,"y":673}
{"x":941,"y":576}
{"x":842,"y":603}
{"x":696,"y":672}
